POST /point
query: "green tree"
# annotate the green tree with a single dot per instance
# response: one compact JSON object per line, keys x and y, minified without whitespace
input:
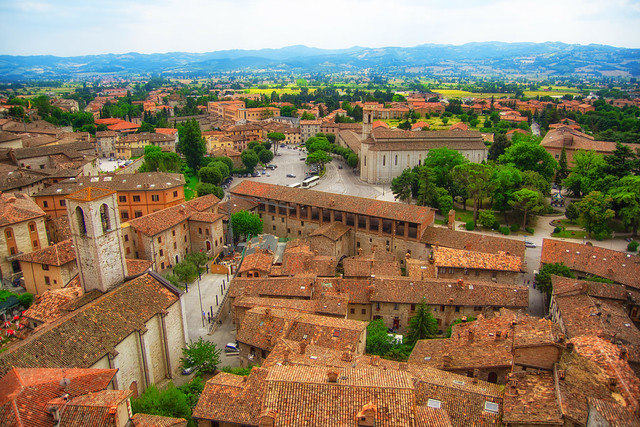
{"x":445,"y":204}
{"x":506,"y":181}
{"x":534,"y":181}
{"x":498,"y":147}
{"x":210,"y":175}
{"x":571,"y":212}
{"x":443,"y":161}
{"x":422,"y":325}
{"x":318,"y":157}
{"x":529,"y":202}
{"x":265,"y":156}
{"x":563,"y":169}
{"x":588,"y":168}
{"x":307,"y":116}
{"x":595,"y":213}
{"x":185,"y":271}
{"x":352,"y":160}
{"x":245,"y":223}
{"x":197,"y":258}
{"x":476,"y":179}
{"x":627,"y":196}
{"x":250,"y":159}
{"x":191,"y":143}
{"x":378,"y":340}
{"x":201,"y":353}
{"x":170,"y":402}
{"x":316,"y":143}
{"x":402,"y":184}
{"x":276,"y":138}
{"x":227,"y":161}
{"x":620,"y":162}
{"x":487,"y":218}
{"x":203,"y":188}
{"x":222,"y":167}
{"x":427,"y":189}
{"x":543,"y":278}
{"x":458,"y":321}
{"x":529,"y":155}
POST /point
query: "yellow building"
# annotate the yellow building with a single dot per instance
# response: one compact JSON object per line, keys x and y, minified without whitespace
{"x":22,"y":231}
{"x":49,"y":268}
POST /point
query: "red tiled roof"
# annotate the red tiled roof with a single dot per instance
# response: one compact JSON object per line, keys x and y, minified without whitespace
{"x":531,"y":399}
{"x":25,"y":393}
{"x":49,"y":306}
{"x":137,"y":266}
{"x":15,"y":208}
{"x":439,"y":236}
{"x":145,"y":420}
{"x":340,"y":202}
{"x":257,"y":261}
{"x":618,"y":266}
{"x":58,"y":254}
{"x":447,"y":257}
{"x":156,"y":222}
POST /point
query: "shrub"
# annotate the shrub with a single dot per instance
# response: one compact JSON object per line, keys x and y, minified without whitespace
{"x":505,"y":230}
{"x":557,"y":230}
{"x":530,"y":230}
{"x":571,"y":212}
{"x":25,"y":299}
{"x":471,"y":225}
{"x":632,"y":246}
{"x":514,"y":227}
{"x":487,"y":218}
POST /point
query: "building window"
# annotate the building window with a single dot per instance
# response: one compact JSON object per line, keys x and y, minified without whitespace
{"x":384,"y":160}
{"x":155,"y":198}
{"x":477,"y":308}
{"x":128,"y":251}
{"x":395,"y":306}
{"x":396,"y":160}
{"x":122,"y":199}
{"x":377,"y":306}
{"x":299,"y":233}
{"x":63,"y":202}
{"x":45,"y":204}
{"x":136,"y":198}
{"x":175,"y":194}
{"x":162,"y":266}
{"x":206,"y":231}
{"x":364,"y":311}
{"x":175,"y":245}
{"x":104,"y":218}
{"x":457,"y":309}
{"x":199,"y":230}
{"x":47,"y":281}
{"x":352,"y":311}
{"x":124,"y":214}
{"x":9,"y":234}
{"x":442,"y":308}
{"x":160,"y":239}
{"x":185,"y":238}
{"x":35,"y":244}
{"x":45,"y":267}
{"x":32,"y":227}
{"x":161,"y":252}
{"x":413,"y":307}
{"x":137,"y":214}
{"x":173,"y":232}
{"x":126,"y":237}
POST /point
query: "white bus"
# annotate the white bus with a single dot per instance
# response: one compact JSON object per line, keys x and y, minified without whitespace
{"x":296,"y":185}
{"x":311,"y":181}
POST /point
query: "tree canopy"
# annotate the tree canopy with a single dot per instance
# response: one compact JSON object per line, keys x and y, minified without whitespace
{"x":422,"y":325}
{"x":245,"y":223}
{"x":191,"y":143}
{"x":201,"y":353}
{"x":528,"y":154}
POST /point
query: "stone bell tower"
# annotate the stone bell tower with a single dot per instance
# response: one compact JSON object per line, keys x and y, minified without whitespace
{"x":367,"y":121}
{"x":95,"y":226}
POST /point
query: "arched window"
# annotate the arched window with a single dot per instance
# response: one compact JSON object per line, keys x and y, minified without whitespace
{"x":12,"y":248}
{"x":396,"y":160}
{"x":82,"y":226}
{"x":33,"y":234}
{"x":104,"y":218}
{"x":384,"y":160}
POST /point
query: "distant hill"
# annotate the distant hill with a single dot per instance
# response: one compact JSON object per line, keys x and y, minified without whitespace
{"x":488,"y":58}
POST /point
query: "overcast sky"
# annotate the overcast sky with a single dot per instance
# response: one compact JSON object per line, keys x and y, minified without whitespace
{"x":74,"y":27}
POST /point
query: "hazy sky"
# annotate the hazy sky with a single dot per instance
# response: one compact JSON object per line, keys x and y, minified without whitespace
{"x":74,"y":27}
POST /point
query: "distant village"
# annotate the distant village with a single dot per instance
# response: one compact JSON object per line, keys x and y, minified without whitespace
{"x":94,"y":248}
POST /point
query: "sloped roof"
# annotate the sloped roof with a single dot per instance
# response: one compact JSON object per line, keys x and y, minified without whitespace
{"x":17,"y":207}
{"x":447,"y":257}
{"x":58,"y":254}
{"x":80,"y":338}
{"x":339,"y":202}
{"x":440,"y":236}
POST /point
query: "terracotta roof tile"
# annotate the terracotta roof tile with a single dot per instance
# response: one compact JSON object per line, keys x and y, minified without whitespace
{"x":447,"y":257}
{"x":80,"y":339}
{"x":145,"y":420}
{"x":156,"y":222}
{"x":148,"y":181}
{"x":58,"y":254}
{"x":358,"y":205}
{"x":618,"y":266}
{"x":17,"y":207}
{"x":438,"y":236}
{"x":531,"y":399}
{"x":51,"y":304}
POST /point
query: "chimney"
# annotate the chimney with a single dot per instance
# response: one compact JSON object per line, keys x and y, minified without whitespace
{"x":569,"y":347}
{"x":346,"y":356}
{"x":303,"y":347}
{"x":446,"y":361}
{"x":332,"y":376}
{"x":452,"y":220}
{"x":285,"y":357}
{"x":267,"y":419}
{"x":367,"y":415}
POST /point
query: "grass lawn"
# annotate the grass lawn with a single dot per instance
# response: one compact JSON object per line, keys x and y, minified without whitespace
{"x":464,"y":216}
{"x":566,"y":223}
{"x":190,"y":187}
{"x":570,"y":234}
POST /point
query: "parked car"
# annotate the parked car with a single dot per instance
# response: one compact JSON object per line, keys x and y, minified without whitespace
{"x":529,"y":244}
{"x":232,"y":347}
{"x":255,"y":174}
{"x":290,"y":175}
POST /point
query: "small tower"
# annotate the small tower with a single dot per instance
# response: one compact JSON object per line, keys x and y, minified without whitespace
{"x":95,"y":227}
{"x":367,"y":121}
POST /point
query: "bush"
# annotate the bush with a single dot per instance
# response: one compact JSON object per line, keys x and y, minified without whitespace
{"x":632,"y":246}
{"x":487,"y":218}
{"x":26,"y":299}
{"x":514,"y":227}
{"x":505,"y":230}
{"x":471,"y":225}
{"x":557,"y":230}
{"x":571,"y":212}
{"x":530,"y":230}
